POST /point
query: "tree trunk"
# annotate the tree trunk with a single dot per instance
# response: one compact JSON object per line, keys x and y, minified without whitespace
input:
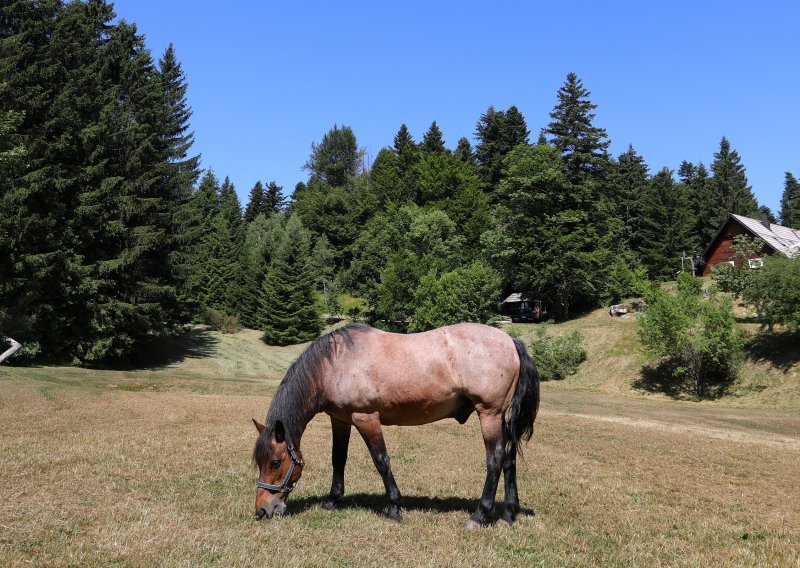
{"x":11,"y":350}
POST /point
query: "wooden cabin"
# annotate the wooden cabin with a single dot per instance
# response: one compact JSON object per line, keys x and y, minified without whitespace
{"x":521,"y":308}
{"x":774,"y":238}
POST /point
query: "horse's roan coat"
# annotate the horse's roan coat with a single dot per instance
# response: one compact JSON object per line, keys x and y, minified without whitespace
{"x":367,"y":378}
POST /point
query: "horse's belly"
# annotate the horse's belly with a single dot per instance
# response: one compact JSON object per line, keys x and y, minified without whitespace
{"x":424,"y":412}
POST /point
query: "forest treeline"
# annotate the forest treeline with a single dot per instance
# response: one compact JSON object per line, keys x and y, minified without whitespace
{"x":111,"y":234}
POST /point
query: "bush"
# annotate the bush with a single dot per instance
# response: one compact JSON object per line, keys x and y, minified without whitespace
{"x":697,"y":337}
{"x":220,"y":321}
{"x":735,"y":278}
{"x":557,"y":357}
{"x":774,"y":290}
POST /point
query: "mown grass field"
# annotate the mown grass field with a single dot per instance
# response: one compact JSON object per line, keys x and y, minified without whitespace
{"x":152,"y":468}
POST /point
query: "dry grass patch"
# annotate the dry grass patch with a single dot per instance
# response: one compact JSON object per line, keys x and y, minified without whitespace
{"x":94,"y":475}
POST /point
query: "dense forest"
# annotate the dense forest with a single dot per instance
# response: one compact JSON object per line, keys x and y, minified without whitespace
{"x":111,"y":233}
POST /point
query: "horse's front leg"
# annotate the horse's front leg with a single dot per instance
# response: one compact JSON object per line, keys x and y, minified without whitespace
{"x":492,"y":430}
{"x":369,"y":426}
{"x":341,"y":441}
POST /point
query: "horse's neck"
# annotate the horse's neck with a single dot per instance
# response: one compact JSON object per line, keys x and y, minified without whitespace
{"x":295,"y":409}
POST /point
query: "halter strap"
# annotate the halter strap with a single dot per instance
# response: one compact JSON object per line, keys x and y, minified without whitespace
{"x":284,"y":487}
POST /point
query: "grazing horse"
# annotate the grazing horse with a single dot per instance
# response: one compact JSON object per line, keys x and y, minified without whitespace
{"x":365,"y":377}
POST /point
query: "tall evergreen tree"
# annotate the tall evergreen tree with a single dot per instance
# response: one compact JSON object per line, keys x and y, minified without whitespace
{"x":729,"y":185}
{"x":627,"y":183}
{"x":262,"y":238}
{"x":337,"y":158}
{"x":274,"y":201}
{"x":223,"y":287}
{"x":464,"y":151}
{"x":182,"y":169}
{"x":790,"y":202}
{"x":583,"y":146}
{"x":433,"y":142}
{"x":255,"y":203}
{"x":702,"y":203}
{"x":498,"y":132}
{"x":288,"y":307}
{"x":666,"y":226}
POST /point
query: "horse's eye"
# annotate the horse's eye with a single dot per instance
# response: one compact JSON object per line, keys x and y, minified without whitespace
{"x":275,"y":464}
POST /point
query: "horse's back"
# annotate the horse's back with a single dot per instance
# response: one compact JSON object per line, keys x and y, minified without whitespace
{"x":423,"y":377}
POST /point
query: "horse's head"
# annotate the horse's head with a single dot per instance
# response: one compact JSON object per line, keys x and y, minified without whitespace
{"x":280,"y":466}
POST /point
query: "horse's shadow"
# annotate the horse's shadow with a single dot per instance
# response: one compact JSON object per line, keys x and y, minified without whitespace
{"x":377,"y":504}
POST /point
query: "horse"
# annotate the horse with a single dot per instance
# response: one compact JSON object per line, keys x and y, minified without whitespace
{"x":364,"y":377}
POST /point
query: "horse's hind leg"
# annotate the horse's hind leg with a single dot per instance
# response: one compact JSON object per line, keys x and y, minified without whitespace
{"x":492,"y":430}
{"x":510,"y":473}
{"x":341,"y":441}
{"x":369,"y":426}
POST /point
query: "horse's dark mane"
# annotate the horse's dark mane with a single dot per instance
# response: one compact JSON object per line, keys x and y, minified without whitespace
{"x":295,"y":401}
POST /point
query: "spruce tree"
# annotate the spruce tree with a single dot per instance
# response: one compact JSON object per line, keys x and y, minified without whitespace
{"x":464,"y":151}
{"x":288,"y":307}
{"x":790,"y":202}
{"x":274,"y":201}
{"x":432,"y":142}
{"x":498,"y":132}
{"x":223,"y":287}
{"x":666,"y":226}
{"x":255,"y":203}
{"x":583,"y":146}
{"x":627,"y":183}
{"x":729,"y":185}
{"x":182,"y":169}
{"x":262,"y":238}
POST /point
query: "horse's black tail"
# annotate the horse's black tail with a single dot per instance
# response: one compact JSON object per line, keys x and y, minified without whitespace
{"x":525,"y":404}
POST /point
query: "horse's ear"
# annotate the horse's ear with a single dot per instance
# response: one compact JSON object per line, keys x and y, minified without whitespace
{"x":259,"y":425}
{"x":280,"y":432}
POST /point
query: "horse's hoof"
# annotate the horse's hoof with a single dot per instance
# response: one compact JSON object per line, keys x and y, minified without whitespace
{"x":329,"y":505}
{"x":394,"y":517}
{"x":472,"y":525}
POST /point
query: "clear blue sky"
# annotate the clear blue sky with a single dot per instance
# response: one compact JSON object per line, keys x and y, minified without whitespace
{"x":266,"y":79}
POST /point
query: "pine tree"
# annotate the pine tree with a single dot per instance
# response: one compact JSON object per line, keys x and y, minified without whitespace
{"x":666,"y":226}
{"x":702,"y":203}
{"x":587,"y":166}
{"x":38,"y":277}
{"x":464,"y":151}
{"x":274,"y":201}
{"x":583,"y":146}
{"x":790,"y":202}
{"x":729,"y":185}
{"x":255,"y":203}
{"x":336,"y":159}
{"x":498,"y":132}
{"x":182,"y":170}
{"x":628,"y":181}
{"x":223,"y":288}
{"x":126,"y":252}
{"x":288,"y":307}
{"x":432,"y":142}
{"x":262,"y":238}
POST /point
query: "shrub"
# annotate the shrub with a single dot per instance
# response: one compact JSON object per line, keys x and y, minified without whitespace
{"x":557,"y":357}
{"x":220,"y":321}
{"x":736,"y":278}
{"x":775,"y":292}
{"x":697,"y":337}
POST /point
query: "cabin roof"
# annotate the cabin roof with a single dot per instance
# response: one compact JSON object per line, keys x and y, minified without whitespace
{"x":781,"y":239}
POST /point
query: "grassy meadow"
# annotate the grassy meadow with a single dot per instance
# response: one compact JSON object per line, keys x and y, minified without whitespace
{"x":152,"y":468}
